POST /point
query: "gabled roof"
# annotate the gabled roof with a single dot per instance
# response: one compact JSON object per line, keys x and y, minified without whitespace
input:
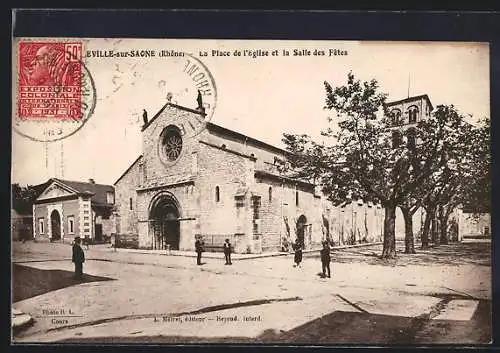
{"x":410,"y":99}
{"x":145,"y":126}
{"x":214,"y":128}
{"x":127,"y":170}
{"x":98,"y":191}
{"x":217,"y":128}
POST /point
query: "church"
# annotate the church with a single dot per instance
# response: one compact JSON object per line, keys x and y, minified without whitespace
{"x":196,"y":179}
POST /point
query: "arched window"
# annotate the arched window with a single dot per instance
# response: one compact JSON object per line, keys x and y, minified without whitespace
{"x":412,"y":114}
{"x":410,"y":135}
{"x":296,"y":198}
{"x":396,"y":117}
{"x":217,"y":194}
{"x":270,"y":191}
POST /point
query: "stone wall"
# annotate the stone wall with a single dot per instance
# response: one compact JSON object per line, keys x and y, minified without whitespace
{"x":126,"y":200}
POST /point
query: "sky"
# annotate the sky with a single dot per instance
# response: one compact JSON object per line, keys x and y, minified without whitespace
{"x":262,"y":97}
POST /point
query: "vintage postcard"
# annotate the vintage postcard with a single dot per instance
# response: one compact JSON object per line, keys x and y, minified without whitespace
{"x":250,"y":191}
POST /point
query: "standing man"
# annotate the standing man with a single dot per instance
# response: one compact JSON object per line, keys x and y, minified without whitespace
{"x":325,"y":259}
{"x":227,"y":252}
{"x":78,"y":258}
{"x":199,"y":249}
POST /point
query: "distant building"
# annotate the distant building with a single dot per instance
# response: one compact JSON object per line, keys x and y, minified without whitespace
{"x":66,"y":209}
{"x":409,"y":111}
{"x":475,"y":224}
{"x":404,"y":115}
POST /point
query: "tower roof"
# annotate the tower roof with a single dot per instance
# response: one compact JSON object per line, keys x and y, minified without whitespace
{"x":411,"y":99}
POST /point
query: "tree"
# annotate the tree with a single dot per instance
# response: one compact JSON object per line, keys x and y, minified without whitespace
{"x":23,"y":198}
{"x":477,"y":196}
{"x":468,"y":162}
{"x":360,"y":161}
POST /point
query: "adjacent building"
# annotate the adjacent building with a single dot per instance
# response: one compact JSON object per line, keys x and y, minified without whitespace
{"x":66,"y":209}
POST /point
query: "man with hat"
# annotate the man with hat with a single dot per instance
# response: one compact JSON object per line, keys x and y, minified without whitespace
{"x":227,"y":252}
{"x":78,"y":258}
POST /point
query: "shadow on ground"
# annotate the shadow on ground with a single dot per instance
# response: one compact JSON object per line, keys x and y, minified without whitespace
{"x":28,"y":282}
{"x":478,"y":253}
{"x":340,"y":327}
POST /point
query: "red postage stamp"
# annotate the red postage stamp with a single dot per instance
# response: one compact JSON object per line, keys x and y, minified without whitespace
{"x":49,"y":80}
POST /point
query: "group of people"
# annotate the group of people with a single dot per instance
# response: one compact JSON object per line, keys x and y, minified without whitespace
{"x":297,"y":247}
{"x":78,"y":257}
{"x":324,"y":254}
{"x":200,"y":248}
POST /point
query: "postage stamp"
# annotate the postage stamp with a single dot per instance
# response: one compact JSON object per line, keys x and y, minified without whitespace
{"x":55,"y":91}
{"x":268,"y":191}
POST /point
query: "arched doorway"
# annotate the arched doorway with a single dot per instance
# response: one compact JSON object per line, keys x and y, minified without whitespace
{"x":164,"y":216}
{"x":301,"y":229}
{"x":55,"y":225}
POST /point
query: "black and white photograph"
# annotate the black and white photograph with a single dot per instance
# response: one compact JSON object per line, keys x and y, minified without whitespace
{"x":179,"y":191}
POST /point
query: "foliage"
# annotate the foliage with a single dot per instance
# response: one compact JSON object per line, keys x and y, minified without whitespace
{"x":23,"y":198}
{"x":362,"y":159}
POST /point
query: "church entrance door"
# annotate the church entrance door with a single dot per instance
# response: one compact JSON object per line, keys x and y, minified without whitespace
{"x":165,"y":224}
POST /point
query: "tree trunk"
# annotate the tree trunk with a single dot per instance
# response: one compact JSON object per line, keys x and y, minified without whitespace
{"x":389,"y":250}
{"x":444,"y":226}
{"x":435,"y":230}
{"x":409,"y":243}
{"x":429,"y":215}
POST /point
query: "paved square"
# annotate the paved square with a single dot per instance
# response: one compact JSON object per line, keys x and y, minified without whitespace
{"x":161,"y":298}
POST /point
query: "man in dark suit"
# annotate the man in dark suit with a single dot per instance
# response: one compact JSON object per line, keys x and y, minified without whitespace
{"x":78,"y":258}
{"x":325,"y":259}
{"x":199,"y":249}
{"x":227,"y":252}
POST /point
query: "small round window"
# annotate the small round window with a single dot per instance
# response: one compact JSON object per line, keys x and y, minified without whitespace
{"x":171,"y":144}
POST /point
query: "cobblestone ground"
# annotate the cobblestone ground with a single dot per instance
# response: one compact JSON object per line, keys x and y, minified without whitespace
{"x":433,"y":296}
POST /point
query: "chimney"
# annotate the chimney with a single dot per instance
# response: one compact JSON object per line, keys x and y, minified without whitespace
{"x":91,"y":181}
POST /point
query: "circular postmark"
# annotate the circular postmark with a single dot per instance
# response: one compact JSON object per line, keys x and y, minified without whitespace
{"x":195,"y":84}
{"x":206,"y":87}
{"x":55,"y":93}
{"x":192,"y":93}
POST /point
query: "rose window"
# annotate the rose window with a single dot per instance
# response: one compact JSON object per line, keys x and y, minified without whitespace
{"x":172,"y":144}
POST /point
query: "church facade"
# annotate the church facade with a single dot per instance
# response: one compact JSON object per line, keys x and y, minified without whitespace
{"x":220,"y":184}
